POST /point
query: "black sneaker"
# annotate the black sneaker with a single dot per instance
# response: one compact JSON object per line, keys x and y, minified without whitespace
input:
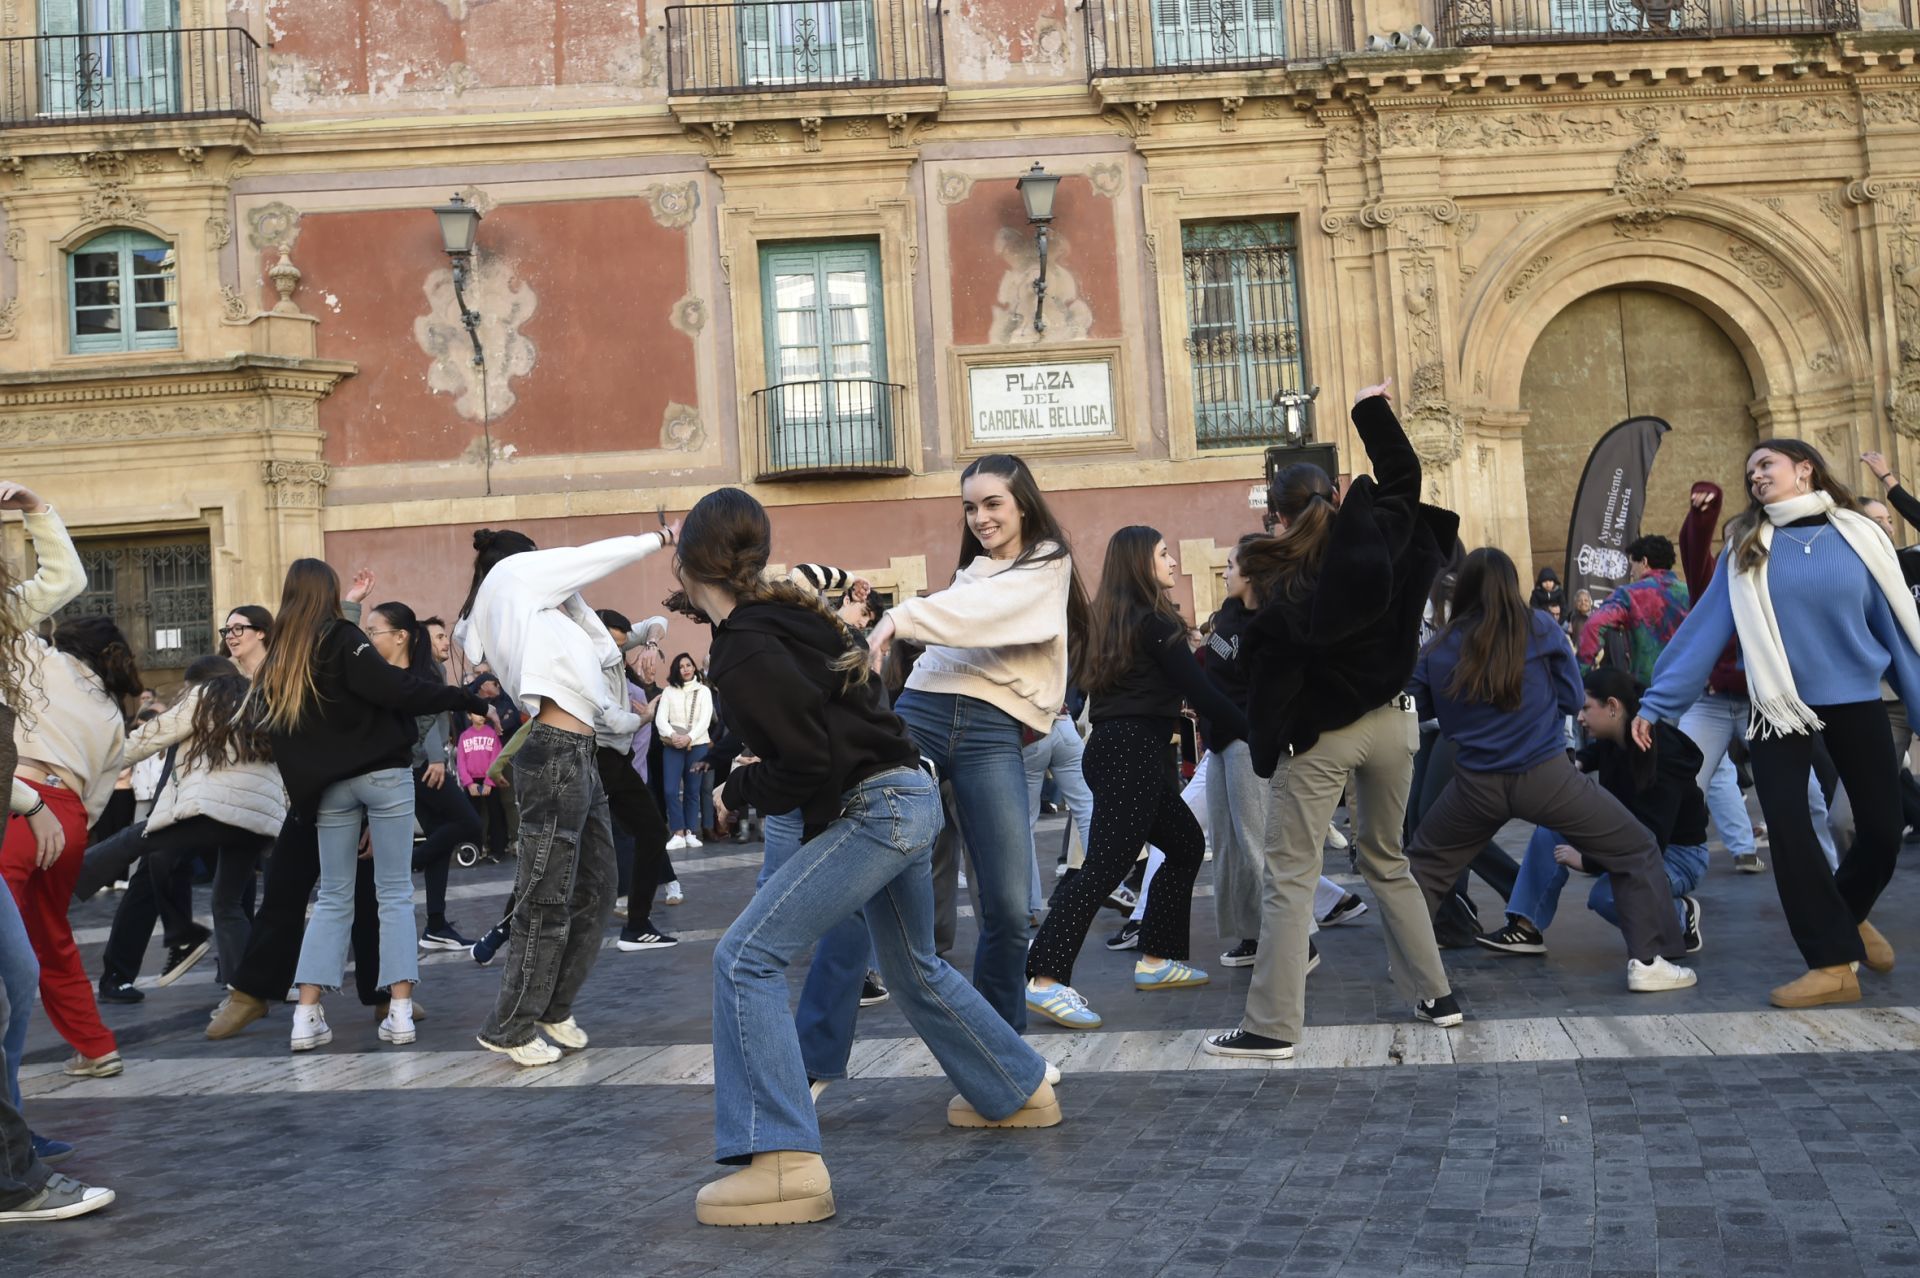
{"x":1350,"y":908}
{"x":1241,"y":955}
{"x":115,"y":990}
{"x":1127,"y":938}
{"x":648,"y":940}
{"x":1313,"y":956}
{"x":1240,"y":1043}
{"x":1515,"y":938}
{"x":181,"y":958}
{"x":1443,"y":1011}
{"x":1691,"y":928}
{"x":489,"y":945}
{"x":444,"y":937}
{"x":873,"y":991}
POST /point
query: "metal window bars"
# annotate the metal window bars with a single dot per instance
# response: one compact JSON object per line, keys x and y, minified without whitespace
{"x":765,"y":46}
{"x":110,"y":76}
{"x":834,"y":427}
{"x":1471,"y":22}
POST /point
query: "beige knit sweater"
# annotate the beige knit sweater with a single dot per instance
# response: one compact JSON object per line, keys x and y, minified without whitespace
{"x":998,"y":633}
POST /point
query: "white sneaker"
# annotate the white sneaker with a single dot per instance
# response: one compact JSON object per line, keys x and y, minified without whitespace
{"x":693,"y":840}
{"x":310,"y":1029}
{"x":1336,"y":840}
{"x":676,"y":843}
{"x":567,"y":1034}
{"x":674,"y":894}
{"x":1646,"y":978}
{"x":1053,"y":1074}
{"x":960,"y":879}
{"x":536,"y":1051}
{"x":397,"y":1027}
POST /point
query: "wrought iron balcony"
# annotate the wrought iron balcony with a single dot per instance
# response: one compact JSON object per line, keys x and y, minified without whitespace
{"x":1469,"y":22}
{"x":129,"y":76}
{"x":828,"y":428}
{"x":770,"y":46}
{"x":1147,"y":37}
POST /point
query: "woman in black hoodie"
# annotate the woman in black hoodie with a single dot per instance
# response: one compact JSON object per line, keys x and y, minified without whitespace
{"x":1342,"y":588}
{"x":829,"y":748}
{"x":340,"y":720}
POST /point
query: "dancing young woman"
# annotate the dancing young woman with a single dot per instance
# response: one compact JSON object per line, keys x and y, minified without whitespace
{"x":1822,"y":611}
{"x":827,"y":746}
{"x":1502,"y":681}
{"x":333,"y":709}
{"x":438,"y":801}
{"x":998,"y":645}
{"x":1138,"y":671}
{"x":1342,"y":587}
{"x":524,"y":617}
{"x":1658,"y":786}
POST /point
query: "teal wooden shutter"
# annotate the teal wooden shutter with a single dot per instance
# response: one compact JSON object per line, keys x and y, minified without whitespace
{"x":856,"y":40}
{"x":756,"y":44}
{"x":59,"y":57}
{"x":159,"y":57}
{"x":826,"y":355}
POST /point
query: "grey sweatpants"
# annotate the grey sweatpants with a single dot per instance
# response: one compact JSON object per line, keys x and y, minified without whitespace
{"x":1237,"y":818}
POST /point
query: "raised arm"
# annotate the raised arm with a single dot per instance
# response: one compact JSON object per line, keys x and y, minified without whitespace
{"x":168,"y":728}
{"x":369,"y":677}
{"x":552,"y":576}
{"x":1696,"y":537}
{"x":60,"y":577}
{"x":1025,"y":605}
{"x":1390,"y":455}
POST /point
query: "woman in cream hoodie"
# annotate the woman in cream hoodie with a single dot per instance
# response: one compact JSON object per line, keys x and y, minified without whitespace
{"x":998,"y":645}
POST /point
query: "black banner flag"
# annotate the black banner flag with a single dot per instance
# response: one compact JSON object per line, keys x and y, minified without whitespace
{"x":1608,"y":505}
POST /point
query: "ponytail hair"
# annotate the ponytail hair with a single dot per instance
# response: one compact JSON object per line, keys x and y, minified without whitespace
{"x":420,"y":660}
{"x":1287,"y":566}
{"x":725,"y":542}
{"x":1494,"y":622}
{"x":490,"y":546}
{"x":98,"y":644}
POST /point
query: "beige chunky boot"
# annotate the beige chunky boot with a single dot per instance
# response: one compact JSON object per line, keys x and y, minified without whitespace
{"x":1819,"y":987}
{"x":238,"y":1012}
{"x":1041,"y":1110}
{"x":785,"y":1187}
{"x":1879,"y":951}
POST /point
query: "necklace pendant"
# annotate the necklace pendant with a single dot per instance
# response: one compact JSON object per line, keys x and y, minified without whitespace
{"x":1807,"y":549}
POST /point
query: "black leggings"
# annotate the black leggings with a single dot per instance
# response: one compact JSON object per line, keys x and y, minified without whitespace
{"x":630,"y":802}
{"x":1824,"y":908}
{"x":1135,"y":800}
{"x":447,"y":815}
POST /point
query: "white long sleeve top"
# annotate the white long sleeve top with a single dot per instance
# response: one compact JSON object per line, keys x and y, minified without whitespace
{"x":531,"y":625}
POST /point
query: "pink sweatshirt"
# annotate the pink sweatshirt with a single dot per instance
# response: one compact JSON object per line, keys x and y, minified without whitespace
{"x":479,"y":747}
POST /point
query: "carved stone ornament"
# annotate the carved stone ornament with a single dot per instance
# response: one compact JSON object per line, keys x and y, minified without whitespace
{"x":9,"y":319}
{"x":1528,"y":274}
{"x":1107,"y":179}
{"x":897,"y":125}
{"x":195,"y":158}
{"x":286,"y":278}
{"x":294,"y":485}
{"x":1230,"y":113}
{"x":273,"y":225}
{"x":233,"y":305}
{"x":1757,"y":263}
{"x":112,"y":425}
{"x":680,"y":428}
{"x":219,"y":231}
{"x":859,"y":127}
{"x":1648,"y":176}
{"x":953,"y":187}
{"x":720,"y":134}
{"x":15,"y":244}
{"x":674,"y":206}
{"x":689,"y":315}
{"x":810,"y":126}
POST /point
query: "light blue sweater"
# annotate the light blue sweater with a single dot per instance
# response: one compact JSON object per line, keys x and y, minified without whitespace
{"x":1839,"y":632}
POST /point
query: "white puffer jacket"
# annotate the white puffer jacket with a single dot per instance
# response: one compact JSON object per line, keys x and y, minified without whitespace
{"x":247,"y":796}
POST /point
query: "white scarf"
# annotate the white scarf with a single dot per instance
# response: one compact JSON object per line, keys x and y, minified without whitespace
{"x":1777,"y":707}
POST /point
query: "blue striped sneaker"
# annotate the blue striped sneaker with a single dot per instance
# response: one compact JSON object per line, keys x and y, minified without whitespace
{"x":1171,"y":974}
{"x":1062,"y":1005}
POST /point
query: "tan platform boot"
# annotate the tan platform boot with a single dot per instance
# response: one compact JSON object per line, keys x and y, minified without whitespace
{"x":1041,"y":1110}
{"x":1879,"y":952}
{"x":781,"y":1188}
{"x":1819,"y":987}
{"x":238,"y":1012}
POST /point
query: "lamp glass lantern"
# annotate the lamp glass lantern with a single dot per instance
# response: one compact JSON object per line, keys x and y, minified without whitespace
{"x":459,"y":226}
{"x":1037,"y":187}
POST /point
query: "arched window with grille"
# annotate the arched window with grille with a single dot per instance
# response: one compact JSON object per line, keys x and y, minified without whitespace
{"x":123,"y":294}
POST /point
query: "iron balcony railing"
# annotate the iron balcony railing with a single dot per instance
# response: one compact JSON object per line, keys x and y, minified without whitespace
{"x":840,"y":427}
{"x":127,"y":76}
{"x":783,"y":45}
{"x":1141,"y":37}
{"x":1470,"y":22}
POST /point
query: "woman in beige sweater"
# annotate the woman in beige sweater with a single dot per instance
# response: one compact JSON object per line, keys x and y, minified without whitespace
{"x":993,"y":674}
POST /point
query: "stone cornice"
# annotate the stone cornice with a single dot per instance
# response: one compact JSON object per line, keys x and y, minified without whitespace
{"x":120,"y":385}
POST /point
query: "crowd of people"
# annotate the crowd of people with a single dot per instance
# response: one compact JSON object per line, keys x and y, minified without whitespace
{"x":896,"y":759}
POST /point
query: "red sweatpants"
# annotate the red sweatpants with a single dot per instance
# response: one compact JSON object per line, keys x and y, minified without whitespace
{"x":43,"y":896}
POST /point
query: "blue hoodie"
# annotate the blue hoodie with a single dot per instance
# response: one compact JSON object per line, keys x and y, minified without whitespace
{"x":1495,"y":740}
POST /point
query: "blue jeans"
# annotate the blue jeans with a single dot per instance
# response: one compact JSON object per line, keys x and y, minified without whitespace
{"x":878,"y":854}
{"x":830,"y":999}
{"x":386,"y":797}
{"x":683,"y":787}
{"x":1714,"y":722}
{"x":1536,"y":893}
{"x":20,"y":975}
{"x":978,"y":751}
{"x":1058,"y":752}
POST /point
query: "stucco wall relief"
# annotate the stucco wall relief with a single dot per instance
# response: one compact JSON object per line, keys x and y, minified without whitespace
{"x":681,"y":429}
{"x":1648,"y":176}
{"x":273,"y":225}
{"x":504,"y":303}
{"x":673,"y":204}
{"x":1069,"y":318}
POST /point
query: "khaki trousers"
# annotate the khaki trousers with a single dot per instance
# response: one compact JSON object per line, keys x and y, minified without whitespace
{"x":1375,"y":755}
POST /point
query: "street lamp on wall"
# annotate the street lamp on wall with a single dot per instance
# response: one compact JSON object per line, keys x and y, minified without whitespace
{"x":459,"y":225}
{"x":1037,"y":187}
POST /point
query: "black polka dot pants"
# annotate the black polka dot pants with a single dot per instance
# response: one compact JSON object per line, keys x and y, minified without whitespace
{"x":1135,"y":801}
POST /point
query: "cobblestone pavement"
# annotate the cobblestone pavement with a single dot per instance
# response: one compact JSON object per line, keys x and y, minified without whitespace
{"x":1570,"y":1128}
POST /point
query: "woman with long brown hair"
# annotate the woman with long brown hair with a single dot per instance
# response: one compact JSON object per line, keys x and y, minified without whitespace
{"x":998,"y":645}
{"x":336,"y":714}
{"x":827,"y":747}
{"x":1137,"y":672}
{"x":1502,"y":681}
{"x":1815,"y":594}
{"x":1341,"y":586}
